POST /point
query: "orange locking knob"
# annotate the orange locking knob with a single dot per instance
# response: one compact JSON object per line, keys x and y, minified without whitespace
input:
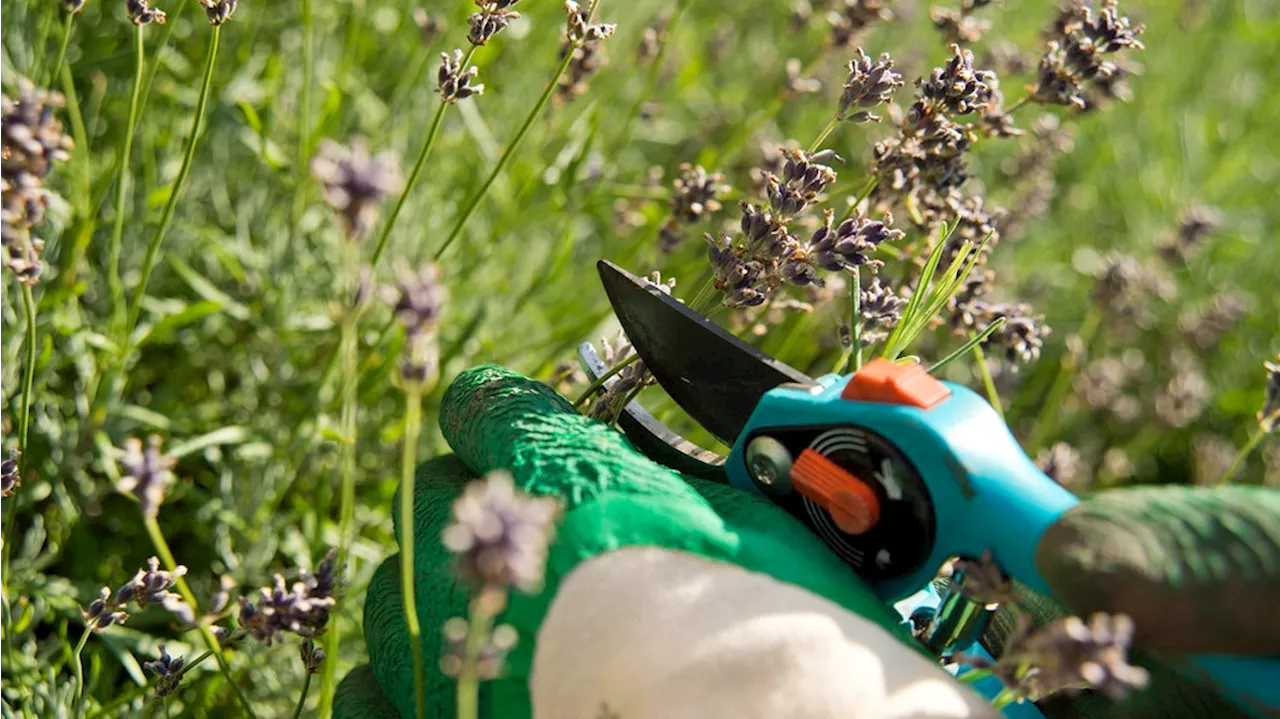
{"x":882,"y":380}
{"x":850,"y":501}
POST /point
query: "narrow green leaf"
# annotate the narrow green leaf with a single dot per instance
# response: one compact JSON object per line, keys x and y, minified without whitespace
{"x":207,"y":290}
{"x":164,"y":330}
{"x":967,"y":346}
{"x":150,"y":418}
{"x":892,"y":346}
{"x":223,"y":435}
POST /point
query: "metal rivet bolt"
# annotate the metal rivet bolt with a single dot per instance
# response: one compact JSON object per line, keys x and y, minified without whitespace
{"x":769,"y":464}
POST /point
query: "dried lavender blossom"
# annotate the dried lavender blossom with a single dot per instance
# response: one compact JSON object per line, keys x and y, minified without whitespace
{"x":141,"y":12}
{"x":747,"y":270}
{"x":851,"y":243}
{"x":1021,"y":336}
{"x":958,"y":25}
{"x":1078,"y":43}
{"x":9,"y":479}
{"x":493,"y":650}
{"x":355,"y":182}
{"x":489,"y":22}
{"x":421,"y":298}
{"x":418,"y":304}
{"x":1195,"y":226}
{"x":628,"y":380}
{"x":879,"y":309}
{"x":219,"y":11}
{"x":804,"y":177}
{"x":580,"y":29}
{"x":429,"y":26}
{"x":1125,"y":288}
{"x":32,"y":142}
{"x":302,"y":608}
{"x":452,"y":82}
{"x":694,"y":193}
{"x":312,"y":656}
{"x":1184,"y":396}
{"x":500,"y":534}
{"x":796,"y":83}
{"x":583,"y":40}
{"x":982,"y":579}
{"x":1063,"y":464}
{"x":148,"y":587}
{"x":1206,"y":325}
{"x":167,"y":670}
{"x":1068,"y":656}
{"x":957,"y":87}
{"x":653,"y":38}
{"x":145,"y":473}
{"x":867,"y":85}
{"x":693,"y":196}
{"x":851,"y":18}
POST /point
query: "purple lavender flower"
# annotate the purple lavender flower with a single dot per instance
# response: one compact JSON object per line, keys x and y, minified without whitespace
{"x":867,"y":85}
{"x":146,"y":473}
{"x":9,"y":479}
{"x":168,"y":672}
{"x":355,"y":182}
{"x":302,"y":608}
{"x":500,"y":535}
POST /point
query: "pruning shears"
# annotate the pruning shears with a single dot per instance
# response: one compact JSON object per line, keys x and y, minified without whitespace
{"x":897,"y":471}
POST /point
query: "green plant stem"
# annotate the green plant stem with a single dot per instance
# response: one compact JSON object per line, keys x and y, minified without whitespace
{"x":854,"y":349}
{"x":967,"y":346}
{"x":29,"y":371}
{"x":166,"y":557}
{"x":62,"y":48}
{"x":77,"y":667}
{"x":1014,"y":107}
{"x":28,"y":379}
{"x":302,"y":698}
{"x":655,"y":75}
{"x":863,"y":195}
{"x":1241,"y":456}
{"x":478,"y":624}
{"x":412,"y":429}
{"x":822,"y":136}
{"x":418,"y":164}
{"x":511,"y":146}
{"x":308,"y":65}
{"x":974,"y":675}
{"x":350,"y":357}
{"x":1051,"y":407}
{"x":598,"y":382}
{"x":980,"y":358}
{"x":114,"y":281}
{"x":166,"y":219}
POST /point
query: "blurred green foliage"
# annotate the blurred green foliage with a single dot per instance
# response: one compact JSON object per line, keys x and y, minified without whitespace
{"x":239,"y":329}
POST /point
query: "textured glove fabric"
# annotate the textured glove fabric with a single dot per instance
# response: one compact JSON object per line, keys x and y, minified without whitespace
{"x":613,"y":496}
{"x":650,"y":633}
{"x":1191,"y":565}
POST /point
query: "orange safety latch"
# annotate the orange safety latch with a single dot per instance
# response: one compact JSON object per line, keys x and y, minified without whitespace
{"x":882,"y":380}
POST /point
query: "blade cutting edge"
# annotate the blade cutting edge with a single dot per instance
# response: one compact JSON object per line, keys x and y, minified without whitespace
{"x":715,"y":377}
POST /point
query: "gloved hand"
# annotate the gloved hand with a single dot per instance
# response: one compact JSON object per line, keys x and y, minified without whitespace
{"x":666,"y":596}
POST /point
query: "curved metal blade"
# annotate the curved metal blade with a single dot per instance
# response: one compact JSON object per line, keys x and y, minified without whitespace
{"x":715,"y":377}
{"x":654,"y":439}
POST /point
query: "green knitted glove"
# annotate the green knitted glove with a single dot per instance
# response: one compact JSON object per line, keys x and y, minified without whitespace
{"x":616,"y":501}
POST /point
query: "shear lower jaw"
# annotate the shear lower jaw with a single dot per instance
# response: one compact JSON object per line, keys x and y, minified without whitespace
{"x":654,"y":439}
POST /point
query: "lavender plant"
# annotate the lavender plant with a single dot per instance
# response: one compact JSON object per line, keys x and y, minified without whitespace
{"x":171,"y":274}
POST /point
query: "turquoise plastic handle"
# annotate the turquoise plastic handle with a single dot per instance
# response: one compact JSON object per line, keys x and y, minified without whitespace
{"x":986,"y":492}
